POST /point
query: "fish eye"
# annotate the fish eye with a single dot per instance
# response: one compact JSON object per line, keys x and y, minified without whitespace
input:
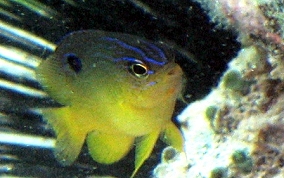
{"x":138,"y":69}
{"x":74,"y":62}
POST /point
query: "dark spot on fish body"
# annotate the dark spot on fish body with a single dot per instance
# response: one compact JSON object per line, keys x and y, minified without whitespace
{"x":74,"y":62}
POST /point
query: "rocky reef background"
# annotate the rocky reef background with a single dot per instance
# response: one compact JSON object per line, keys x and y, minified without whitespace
{"x":237,"y":129}
{"x":231,"y":52}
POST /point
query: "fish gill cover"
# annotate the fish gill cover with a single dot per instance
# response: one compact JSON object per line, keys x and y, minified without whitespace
{"x":30,"y":31}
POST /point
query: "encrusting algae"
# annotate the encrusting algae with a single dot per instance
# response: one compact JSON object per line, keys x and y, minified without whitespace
{"x":116,"y":90}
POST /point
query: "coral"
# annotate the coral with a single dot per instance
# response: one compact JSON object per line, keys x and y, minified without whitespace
{"x":237,"y":130}
{"x":268,"y":151}
{"x":249,"y":18}
{"x":173,"y":164}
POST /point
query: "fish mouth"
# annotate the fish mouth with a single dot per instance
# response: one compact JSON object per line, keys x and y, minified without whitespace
{"x":175,"y":71}
{"x":174,"y":80}
{"x":171,"y":74}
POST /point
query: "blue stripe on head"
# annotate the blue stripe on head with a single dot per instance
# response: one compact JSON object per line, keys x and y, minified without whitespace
{"x":139,"y":51}
{"x":154,"y":47}
{"x":129,"y":59}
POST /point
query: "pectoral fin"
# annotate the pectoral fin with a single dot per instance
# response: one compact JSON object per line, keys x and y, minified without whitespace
{"x":70,"y":138}
{"x":172,"y":136}
{"x":108,"y":148}
{"x":144,"y":147}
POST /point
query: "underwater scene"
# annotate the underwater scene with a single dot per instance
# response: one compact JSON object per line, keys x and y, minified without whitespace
{"x":138,"y":88}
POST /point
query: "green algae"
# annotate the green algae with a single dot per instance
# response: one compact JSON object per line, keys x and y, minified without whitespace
{"x":242,"y":161}
{"x":219,"y":172}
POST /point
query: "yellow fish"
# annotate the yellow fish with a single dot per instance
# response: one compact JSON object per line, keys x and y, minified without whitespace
{"x":117,"y":91}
